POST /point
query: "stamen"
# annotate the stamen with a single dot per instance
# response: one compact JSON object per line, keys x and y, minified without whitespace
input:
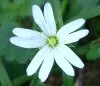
{"x":52,"y":41}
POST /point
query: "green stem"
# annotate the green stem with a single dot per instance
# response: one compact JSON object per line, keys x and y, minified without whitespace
{"x":57,"y":13}
{"x":63,"y":6}
{"x":4,"y":78}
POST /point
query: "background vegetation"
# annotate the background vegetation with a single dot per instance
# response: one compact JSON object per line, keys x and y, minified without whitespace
{"x":14,"y":60}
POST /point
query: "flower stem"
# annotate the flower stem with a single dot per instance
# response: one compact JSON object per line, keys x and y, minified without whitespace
{"x":57,"y":13}
{"x":63,"y":6}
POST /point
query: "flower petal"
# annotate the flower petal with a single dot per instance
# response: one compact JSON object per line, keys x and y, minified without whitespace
{"x":75,"y":36}
{"x":46,"y":66}
{"x":27,"y":43}
{"x":26,"y":33}
{"x":39,"y":18}
{"x":71,"y":56}
{"x":63,"y":63}
{"x":36,"y":62}
{"x":49,"y":17}
{"x":70,"y":27}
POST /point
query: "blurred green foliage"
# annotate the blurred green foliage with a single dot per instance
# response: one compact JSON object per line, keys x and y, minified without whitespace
{"x":18,"y":13}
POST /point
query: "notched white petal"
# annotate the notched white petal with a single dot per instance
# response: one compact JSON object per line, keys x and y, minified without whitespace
{"x":75,"y":36}
{"x":49,"y":17}
{"x":70,"y":27}
{"x":46,"y":65}
{"x":27,"y":33}
{"x":71,"y":56}
{"x":39,"y":18}
{"x":63,"y":63}
{"x":36,"y":62}
{"x":27,"y":43}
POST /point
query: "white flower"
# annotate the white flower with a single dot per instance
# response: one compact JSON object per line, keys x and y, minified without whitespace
{"x":51,"y":42}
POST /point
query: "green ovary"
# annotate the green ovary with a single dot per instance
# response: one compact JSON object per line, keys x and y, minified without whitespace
{"x":52,"y":41}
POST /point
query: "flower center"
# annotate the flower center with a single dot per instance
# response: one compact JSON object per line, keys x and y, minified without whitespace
{"x":52,"y":41}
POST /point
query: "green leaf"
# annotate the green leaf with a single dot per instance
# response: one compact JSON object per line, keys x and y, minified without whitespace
{"x":94,"y":50}
{"x":93,"y":53}
{"x":5,"y":33}
{"x":19,"y":54}
{"x":90,"y":13}
{"x":79,"y":6}
{"x":26,"y":6}
{"x":10,"y":51}
{"x":4,"y":78}
{"x":82,"y":50}
{"x":18,"y":8}
{"x":87,"y":4}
